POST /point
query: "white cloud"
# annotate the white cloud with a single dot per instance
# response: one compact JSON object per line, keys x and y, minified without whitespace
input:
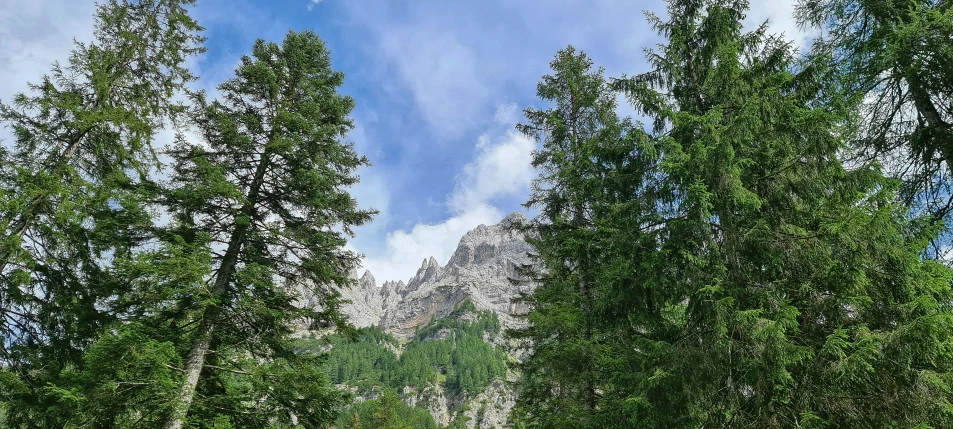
{"x":441,"y":75}
{"x":506,"y":114}
{"x":34,"y":35}
{"x":313,"y":3}
{"x":501,"y":169}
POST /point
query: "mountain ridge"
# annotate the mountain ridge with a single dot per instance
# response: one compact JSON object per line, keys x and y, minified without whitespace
{"x":480,"y":270}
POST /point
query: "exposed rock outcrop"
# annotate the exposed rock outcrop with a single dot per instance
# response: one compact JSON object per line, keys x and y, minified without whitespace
{"x":480,"y":270}
{"x":491,"y":408}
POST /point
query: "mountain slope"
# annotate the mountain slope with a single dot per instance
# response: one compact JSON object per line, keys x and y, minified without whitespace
{"x":422,"y":338}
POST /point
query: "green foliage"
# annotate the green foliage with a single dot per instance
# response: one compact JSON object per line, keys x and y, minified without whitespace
{"x":739,"y":275}
{"x":450,"y":351}
{"x":455,"y":349}
{"x":74,"y":196}
{"x":731,"y":266}
{"x":897,"y":56}
{"x":460,"y":422}
{"x":120,"y":321}
{"x":270,"y":181}
{"x":365,"y":360}
{"x":386,"y":411}
{"x":267,"y":395}
{"x":68,"y":198}
{"x":595,"y":168}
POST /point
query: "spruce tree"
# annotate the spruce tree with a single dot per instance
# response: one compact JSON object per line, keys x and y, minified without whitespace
{"x":745,"y":277}
{"x":586,"y":149}
{"x":267,"y":189}
{"x":789,"y":290}
{"x":72,"y":193}
{"x":81,"y":135}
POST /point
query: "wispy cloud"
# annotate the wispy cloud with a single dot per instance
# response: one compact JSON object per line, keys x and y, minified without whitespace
{"x":313,"y":3}
{"x":35,"y":34}
{"x":442,"y":76}
{"x":501,"y":169}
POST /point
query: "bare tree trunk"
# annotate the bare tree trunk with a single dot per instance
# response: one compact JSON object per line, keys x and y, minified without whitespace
{"x":193,"y":369}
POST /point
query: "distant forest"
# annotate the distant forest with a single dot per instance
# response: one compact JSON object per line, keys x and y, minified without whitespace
{"x":449,"y":352}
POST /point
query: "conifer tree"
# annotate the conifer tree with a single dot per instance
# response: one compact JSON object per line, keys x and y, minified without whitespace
{"x":86,"y":130}
{"x":71,"y":194}
{"x":385,"y":412}
{"x":745,"y":277}
{"x":790,"y":290}
{"x":586,"y":149}
{"x":267,"y":189}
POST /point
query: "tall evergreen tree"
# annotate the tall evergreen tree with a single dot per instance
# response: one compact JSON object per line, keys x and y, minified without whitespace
{"x":589,"y":156}
{"x":70,"y":190}
{"x":746,"y":278}
{"x":268,"y":189}
{"x":84,"y":133}
{"x":793,"y":291}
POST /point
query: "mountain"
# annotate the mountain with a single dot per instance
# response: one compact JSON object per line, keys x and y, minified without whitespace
{"x":437,"y":339}
{"x":479,"y":271}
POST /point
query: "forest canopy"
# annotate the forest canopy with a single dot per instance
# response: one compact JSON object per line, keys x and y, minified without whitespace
{"x":765,"y":244}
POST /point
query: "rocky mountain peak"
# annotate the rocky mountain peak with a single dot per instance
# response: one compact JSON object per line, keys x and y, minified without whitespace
{"x":367,"y":280}
{"x":493,"y":244}
{"x":515,"y":218}
{"x":479,"y":270}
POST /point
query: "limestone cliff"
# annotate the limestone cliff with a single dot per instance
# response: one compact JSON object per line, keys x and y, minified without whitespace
{"x":480,"y":270}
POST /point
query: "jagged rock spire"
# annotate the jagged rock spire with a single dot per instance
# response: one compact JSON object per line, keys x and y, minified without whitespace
{"x":479,"y":270}
{"x":367,"y":280}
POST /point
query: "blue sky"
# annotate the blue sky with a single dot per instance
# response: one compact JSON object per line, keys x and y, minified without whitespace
{"x":439,"y":87}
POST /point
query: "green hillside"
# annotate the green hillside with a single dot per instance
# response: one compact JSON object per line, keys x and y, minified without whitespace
{"x":450,"y":352}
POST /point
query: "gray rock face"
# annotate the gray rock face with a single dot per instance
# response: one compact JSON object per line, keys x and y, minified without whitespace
{"x":366,"y":304}
{"x":434,"y":399}
{"x":479,"y":270}
{"x":491,"y":408}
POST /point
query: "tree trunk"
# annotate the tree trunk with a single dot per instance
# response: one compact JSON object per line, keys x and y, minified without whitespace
{"x":196,"y":361}
{"x":193,"y":369}
{"x":929,"y":112}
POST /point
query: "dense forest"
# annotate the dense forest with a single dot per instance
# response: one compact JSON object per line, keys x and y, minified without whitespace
{"x":449,"y":352}
{"x":764,"y":246}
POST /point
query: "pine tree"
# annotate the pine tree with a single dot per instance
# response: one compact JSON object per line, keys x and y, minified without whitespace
{"x":586,"y":148}
{"x":268,"y":189}
{"x":72,"y":193}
